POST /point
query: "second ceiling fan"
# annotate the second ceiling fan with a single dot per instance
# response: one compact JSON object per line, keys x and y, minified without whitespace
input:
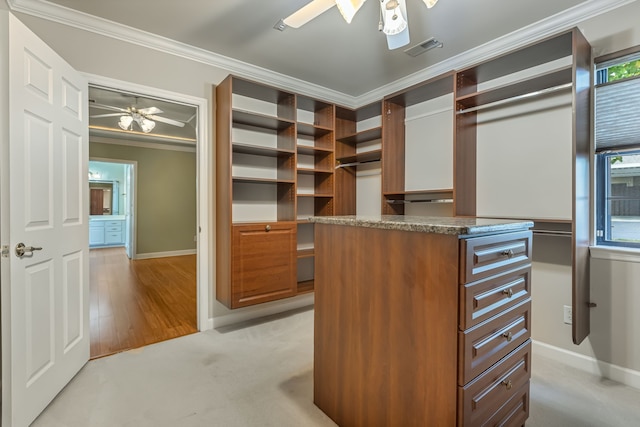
{"x":144,"y":117}
{"x":393,"y":16}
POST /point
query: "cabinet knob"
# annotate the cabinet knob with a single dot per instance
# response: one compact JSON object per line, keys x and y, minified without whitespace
{"x":508,"y":253}
{"x":508,"y":336}
{"x":507,"y":383}
{"x":267,"y":228}
{"x":508,"y":292}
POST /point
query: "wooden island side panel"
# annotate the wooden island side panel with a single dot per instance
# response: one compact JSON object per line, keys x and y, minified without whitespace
{"x":385,"y":326}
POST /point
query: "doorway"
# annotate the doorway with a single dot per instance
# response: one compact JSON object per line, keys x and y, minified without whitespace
{"x":145,"y":264}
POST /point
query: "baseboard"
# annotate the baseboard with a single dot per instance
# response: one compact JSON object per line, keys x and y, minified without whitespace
{"x":588,"y":364}
{"x":267,"y":309}
{"x":150,"y":255}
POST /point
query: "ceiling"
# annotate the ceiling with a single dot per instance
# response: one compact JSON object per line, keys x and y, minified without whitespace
{"x":352,"y":59}
{"x":108,"y":126}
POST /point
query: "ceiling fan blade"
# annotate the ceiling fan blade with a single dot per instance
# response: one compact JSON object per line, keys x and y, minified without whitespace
{"x":308,"y":12}
{"x":107,"y":107}
{"x":150,"y":110}
{"x":108,"y":115}
{"x":165,"y":120}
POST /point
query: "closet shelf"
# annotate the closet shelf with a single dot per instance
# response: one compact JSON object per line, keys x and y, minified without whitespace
{"x":307,"y":149}
{"x":316,"y":195}
{"x":246,"y":179}
{"x":313,"y":130}
{"x":360,"y":137}
{"x":260,"y":150}
{"x":306,"y":253}
{"x":311,"y":171}
{"x":525,"y":88}
{"x":364,"y":157}
{"x":305,"y":287}
{"x":248,"y":118}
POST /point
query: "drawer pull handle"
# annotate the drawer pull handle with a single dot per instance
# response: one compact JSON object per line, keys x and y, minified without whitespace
{"x":267,"y":228}
{"x":508,"y":292}
{"x":508,"y":253}
{"x":508,"y":336}
{"x":507,"y":383}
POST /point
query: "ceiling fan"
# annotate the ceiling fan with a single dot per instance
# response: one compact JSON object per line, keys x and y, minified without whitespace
{"x":393,"y":17}
{"x":146,"y":118}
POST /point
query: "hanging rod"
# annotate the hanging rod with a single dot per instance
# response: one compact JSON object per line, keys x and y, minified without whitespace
{"x":344,"y":165}
{"x":516,"y":98}
{"x":553,"y":233}
{"x":399,"y":202}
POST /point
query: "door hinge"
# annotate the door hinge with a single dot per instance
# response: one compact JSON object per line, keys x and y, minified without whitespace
{"x":5,"y":251}
{"x":599,"y":233}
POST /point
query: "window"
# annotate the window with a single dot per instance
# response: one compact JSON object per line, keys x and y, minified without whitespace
{"x":617,"y":134}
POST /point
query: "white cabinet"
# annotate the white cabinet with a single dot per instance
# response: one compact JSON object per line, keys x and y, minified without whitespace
{"x":106,"y":232}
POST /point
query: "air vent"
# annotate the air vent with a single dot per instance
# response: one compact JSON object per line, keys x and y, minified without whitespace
{"x":423,"y":47}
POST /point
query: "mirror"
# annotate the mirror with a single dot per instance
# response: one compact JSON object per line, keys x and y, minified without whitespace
{"x":103,"y":198}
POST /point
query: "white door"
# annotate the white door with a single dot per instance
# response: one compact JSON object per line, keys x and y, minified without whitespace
{"x":48,"y":200}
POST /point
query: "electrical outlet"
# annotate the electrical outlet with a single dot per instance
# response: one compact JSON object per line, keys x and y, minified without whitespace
{"x":568,"y":314}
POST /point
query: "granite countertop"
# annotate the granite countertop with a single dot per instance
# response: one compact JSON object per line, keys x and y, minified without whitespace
{"x":428,"y":224}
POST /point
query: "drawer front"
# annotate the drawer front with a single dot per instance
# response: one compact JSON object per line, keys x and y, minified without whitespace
{"x":514,"y":413}
{"x":482,"y":398}
{"x":482,"y":257}
{"x":488,"y":297}
{"x":113,"y":224}
{"x":485,"y":344}
{"x":111,"y":228}
{"x":113,"y":237}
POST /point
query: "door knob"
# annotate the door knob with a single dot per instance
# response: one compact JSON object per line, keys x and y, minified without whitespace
{"x":22,"y":250}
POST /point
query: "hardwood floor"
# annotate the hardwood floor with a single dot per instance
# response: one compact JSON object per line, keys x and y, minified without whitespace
{"x":136,"y":303}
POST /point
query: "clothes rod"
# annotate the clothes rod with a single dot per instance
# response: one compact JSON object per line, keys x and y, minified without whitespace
{"x":553,"y":233}
{"x":516,"y":98}
{"x":344,"y":165}
{"x":398,"y":202}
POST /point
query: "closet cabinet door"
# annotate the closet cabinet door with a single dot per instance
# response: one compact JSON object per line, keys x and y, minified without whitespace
{"x":263,"y":263}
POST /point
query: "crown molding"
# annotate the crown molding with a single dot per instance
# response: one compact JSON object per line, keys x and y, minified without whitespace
{"x":536,"y":31}
{"x":523,"y":36}
{"x":83,"y":21}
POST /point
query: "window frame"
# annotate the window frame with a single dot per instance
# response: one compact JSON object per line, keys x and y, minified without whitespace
{"x":602,"y":162}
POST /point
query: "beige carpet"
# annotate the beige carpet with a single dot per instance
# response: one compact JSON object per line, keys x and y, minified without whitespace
{"x":260,"y":374}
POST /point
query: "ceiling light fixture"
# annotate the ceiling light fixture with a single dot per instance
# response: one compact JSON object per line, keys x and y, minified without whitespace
{"x":125,"y":122}
{"x":393,"y":17}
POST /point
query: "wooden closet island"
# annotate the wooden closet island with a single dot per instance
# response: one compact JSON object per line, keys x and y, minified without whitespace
{"x":422,"y":321}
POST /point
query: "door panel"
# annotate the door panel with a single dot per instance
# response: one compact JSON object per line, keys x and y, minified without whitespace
{"x":49,"y":210}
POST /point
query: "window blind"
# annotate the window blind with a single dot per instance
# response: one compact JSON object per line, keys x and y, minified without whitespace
{"x":618,"y":115}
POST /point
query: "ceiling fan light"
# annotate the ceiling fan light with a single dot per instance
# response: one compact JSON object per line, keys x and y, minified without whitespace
{"x":348,"y":8}
{"x":430,"y":3}
{"x":125,"y":122}
{"x":147,"y":125}
{"x":394,"y":21}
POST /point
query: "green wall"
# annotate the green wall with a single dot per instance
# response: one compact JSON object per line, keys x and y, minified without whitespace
{"x":166,"y":195}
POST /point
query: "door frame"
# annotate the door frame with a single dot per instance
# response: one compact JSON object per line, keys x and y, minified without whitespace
{"x":203,"y":182}
{"x":133,"y":193}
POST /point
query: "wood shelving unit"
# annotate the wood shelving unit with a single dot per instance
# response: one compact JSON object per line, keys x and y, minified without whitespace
{"x":317,"y":171}
{"x":393,"y":165}
{"x":578,"y":77}
{"x":349,"y":141}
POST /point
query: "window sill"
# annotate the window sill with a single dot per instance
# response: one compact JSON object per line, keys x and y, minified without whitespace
{"x":615,"y":253}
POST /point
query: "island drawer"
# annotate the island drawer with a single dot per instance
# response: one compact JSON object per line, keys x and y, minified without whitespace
{"x":485,"y":344}
{"x":484,"y":398}
{"x":481,"y":257}
{"x":485,"y":298}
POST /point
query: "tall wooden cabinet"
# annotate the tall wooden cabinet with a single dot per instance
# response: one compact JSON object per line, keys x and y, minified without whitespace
{"x":274,"y":169}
